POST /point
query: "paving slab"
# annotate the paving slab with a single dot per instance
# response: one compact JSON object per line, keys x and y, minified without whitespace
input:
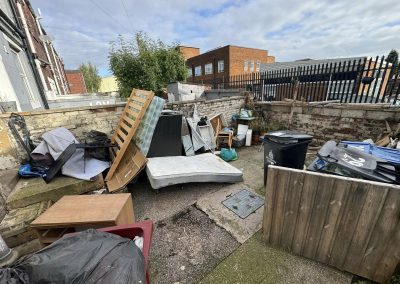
{"x":241,"y":229}
{"x":14,"y":228}
{"x":255,"y":262}
{"x":187,"y":246}
{"x":251,"y":163}
{"x":149,"y":204}
{"x":34,"y":190}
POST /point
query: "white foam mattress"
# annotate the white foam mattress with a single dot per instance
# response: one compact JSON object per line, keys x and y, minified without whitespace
{"x":166,"y":171}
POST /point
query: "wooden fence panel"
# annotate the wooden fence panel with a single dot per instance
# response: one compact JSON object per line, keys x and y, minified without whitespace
{"x":347,"y":223}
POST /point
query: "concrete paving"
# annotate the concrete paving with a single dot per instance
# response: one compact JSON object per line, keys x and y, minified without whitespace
{"x":241,"y":229}
{"x":149,"y":204}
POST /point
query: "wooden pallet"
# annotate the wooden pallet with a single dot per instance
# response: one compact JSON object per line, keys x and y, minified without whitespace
{"x":131,"y":117}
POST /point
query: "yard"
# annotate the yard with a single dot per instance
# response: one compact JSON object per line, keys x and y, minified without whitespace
{"x":196,"y":239}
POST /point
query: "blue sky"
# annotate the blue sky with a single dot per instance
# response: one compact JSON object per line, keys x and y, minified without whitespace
{"x":290,"y":30}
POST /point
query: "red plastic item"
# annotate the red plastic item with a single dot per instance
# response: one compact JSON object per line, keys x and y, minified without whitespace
{"x":142,"y":229}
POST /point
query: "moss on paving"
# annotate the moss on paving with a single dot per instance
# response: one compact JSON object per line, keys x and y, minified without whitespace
{"x":255,"y":262}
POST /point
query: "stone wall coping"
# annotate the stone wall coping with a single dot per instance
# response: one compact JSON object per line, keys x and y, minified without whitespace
{"x":352,"y":106}
{"x":63,"y":110}
{"x":206,"y":101}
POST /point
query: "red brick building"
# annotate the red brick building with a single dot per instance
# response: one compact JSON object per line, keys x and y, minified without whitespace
{"x":48,"y":63}
{"x":76,"y":82}
{"x":223,"y":62}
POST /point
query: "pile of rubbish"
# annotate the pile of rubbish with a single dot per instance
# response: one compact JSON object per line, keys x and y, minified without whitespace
{"x":359,"y":160}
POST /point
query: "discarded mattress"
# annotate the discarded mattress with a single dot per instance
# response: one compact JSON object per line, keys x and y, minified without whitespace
{"x":165,"y":171}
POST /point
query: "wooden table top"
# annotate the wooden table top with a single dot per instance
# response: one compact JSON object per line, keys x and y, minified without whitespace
{"x":83,"y":209}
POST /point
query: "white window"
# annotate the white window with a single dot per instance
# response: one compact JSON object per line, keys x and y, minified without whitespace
{"x":245,"y":65}
{"x":197,"y":71}
{"x":252,"y":66}
{"x":220,"y":66}
{"x":208,"y":68}
{"x":189,"y":72}
{"x":258,"y":66}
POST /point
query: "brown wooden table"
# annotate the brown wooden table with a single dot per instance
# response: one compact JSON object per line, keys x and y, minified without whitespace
{"x":79,"y":212}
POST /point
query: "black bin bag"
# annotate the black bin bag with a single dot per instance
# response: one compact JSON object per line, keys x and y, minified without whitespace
{"x":87,"y":257}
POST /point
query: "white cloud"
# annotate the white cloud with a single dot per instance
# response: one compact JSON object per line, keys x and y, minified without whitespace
{"x":288,"y":29}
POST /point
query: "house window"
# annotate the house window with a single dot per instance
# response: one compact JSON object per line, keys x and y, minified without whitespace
{"x":258,"y":66}
{"x":208,"y":68}
{"x":197,"y":71}
{"x":245,"y":65}
{"x":252,"y":66}
{"x":189,"y":72}
{"x":220,"y":66}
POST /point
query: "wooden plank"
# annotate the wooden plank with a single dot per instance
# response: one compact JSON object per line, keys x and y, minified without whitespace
{"x":269,"y":203}
{"x":318,"y":215}
{"x":366,"y":222}
{"x":131,"y":113}
{"x":139,"y":99}
{"x":131,"y":164}
{"x":347,"y":225}
{"x":278,"y":214}
{"x":334,"y":216}
{"x":306,"y":202}
{"x":384,"y":229}
{"x":121,"y":134}
{"x":389,"y":261}
{"x":134,"y":126}
{"x":291,"y":209}
{"x":135,"y":105}
{"x":119,"y":142}
{"x":124,"y":126}
{"x":128,"y":119}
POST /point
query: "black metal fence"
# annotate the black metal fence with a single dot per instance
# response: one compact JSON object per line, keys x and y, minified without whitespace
{"x":362,"y":80}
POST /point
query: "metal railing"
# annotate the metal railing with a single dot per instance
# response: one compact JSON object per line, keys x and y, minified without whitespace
{"x":362,"y":80}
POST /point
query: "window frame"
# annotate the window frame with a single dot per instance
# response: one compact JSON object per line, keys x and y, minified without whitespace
{"x":245,"y":65}
{"x":201,"y":71}
{"x":221,"y":70}
{"x":251,"y":66}
{"x":210,"y":69}
{"x":189,"y":72}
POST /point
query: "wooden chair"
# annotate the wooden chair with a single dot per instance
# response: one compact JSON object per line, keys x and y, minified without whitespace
{"x":218,"y":122}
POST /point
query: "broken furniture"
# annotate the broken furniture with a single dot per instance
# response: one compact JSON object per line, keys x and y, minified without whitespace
{"x":77,"y":212}
{"x":219,"y":125}
{"x":127,"y":159}
{"x":347,"y":223}
{"x":205,"y":167}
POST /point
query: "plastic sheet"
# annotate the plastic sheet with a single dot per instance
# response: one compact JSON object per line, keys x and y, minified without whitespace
{"x":87,"y":257}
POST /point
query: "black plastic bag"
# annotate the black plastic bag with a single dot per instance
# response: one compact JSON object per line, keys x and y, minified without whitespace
{"x":87,"y":257}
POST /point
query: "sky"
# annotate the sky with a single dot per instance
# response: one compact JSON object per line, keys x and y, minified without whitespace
{"x":290,"y":30}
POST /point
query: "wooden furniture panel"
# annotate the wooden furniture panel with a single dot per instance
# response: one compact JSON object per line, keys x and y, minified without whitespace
{"x":347,"y":223}
{"x":133,"y":113}
{"x":78,"y":212}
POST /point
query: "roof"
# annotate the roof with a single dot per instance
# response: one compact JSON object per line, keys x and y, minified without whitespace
{"x":306,"y":62}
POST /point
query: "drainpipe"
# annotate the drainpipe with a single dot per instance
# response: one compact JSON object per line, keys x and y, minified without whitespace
{"x":29,"y":54}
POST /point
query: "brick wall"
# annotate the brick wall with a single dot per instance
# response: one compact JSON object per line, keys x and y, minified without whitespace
{"x":188,"y":51}
{"x":84,"y":119}
{"x":334,"y":121}
{"x":76,"y":82}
